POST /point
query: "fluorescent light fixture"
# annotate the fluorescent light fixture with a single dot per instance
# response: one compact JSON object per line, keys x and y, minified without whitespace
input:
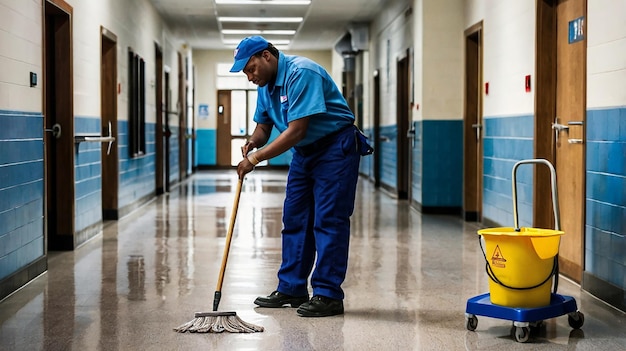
{"x":257,"y":32}
{"x":263,"y":2}
{"x":261,"y":19}
{"x":274,"y":42}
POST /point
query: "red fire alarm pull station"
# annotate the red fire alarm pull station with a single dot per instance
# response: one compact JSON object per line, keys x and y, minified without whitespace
{"x":486,"y":88}
{"x":527,"y":84}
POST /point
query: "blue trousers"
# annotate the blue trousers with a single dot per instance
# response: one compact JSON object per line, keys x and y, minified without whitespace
{"x":316,"y":218}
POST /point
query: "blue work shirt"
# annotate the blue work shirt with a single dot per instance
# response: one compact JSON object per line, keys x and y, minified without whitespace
{"x":303,"y":88}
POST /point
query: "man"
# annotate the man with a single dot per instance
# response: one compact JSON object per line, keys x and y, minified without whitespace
{"x":300,"y":99}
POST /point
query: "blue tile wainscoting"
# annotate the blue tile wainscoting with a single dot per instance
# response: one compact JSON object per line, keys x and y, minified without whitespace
{"x":506,"y":141}
{"x":437,"y":167}
{"x":88,"y":180}
{"x":22,"y":254}
{"x":206,"y":149}
{"x":388,"y":155}
{"x":605,"y":223}
{"x":174,"y":156}
{"x":137,"y":182}
{"x":436,"y":164}
{"x":206,"y":142}
{"x":417,"y":163}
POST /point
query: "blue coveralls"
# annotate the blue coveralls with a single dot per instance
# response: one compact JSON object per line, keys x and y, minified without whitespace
{"x":322,"y":176}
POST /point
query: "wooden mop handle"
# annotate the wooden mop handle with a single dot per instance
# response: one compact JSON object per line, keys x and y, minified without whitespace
{"x":229,"y":237}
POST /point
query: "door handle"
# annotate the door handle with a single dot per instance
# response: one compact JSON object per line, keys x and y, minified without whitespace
{"x":558,"y":128}
{"x":575,"y":140}
{"x":478,"y":128}
{"x":79,"y":138}
{"x":111,"y":139}
{"x":55,"y":130}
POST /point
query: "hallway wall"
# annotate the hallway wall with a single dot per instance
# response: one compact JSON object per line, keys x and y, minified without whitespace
{"x":136,"y":24}
{"x":605,"y":224}
{"x":509,"y":55}
{"x":21,"y":144}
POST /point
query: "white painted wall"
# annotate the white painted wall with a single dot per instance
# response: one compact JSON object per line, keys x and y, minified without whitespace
{"x":391,"y":34}
{"x":606,"y":53}
{"x":442,"y":74}
{"x":508,"y":53}
{"x":137,"y":25}
{"x":434,"y":32}
{"x":20,"y":54}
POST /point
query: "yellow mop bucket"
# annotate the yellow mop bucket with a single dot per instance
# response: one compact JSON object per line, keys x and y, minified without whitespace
{"x":521,"y":265}
{"x":522,"y":262}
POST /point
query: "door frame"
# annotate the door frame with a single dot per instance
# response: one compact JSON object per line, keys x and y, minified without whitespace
{"x":377,"y":141}
{"x":161,"y":113}
{"x":108,"y":112}
{"x":473,"y":124}
{"x":403,"y":116}
{"x":546,"y":109}
{"x":223,"y":134}
{"x":182,"y":119}
{"x":58,"y":108}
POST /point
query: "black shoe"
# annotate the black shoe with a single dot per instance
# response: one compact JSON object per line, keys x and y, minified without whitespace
{"x":278,"y":299}
{"x":321,"y":306}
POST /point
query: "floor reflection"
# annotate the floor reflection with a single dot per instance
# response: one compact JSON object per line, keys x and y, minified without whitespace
{"x":408,"y":280}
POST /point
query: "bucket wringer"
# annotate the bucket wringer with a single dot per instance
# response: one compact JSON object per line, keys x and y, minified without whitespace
{"x":523,"y":266}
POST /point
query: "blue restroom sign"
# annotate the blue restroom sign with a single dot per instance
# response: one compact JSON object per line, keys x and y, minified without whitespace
{"x":577,"y":30}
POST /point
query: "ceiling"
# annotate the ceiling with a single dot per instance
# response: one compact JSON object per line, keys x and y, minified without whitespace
{"x":324,"y":21}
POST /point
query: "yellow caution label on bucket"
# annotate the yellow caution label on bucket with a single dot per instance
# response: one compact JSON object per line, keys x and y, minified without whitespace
{"x":497,"y":259}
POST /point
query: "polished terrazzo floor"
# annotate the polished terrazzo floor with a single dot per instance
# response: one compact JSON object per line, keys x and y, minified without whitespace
{"x":409,"y":279}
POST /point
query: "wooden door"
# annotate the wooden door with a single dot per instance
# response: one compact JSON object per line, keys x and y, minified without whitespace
{"x":160,"y":114}
{"x":377,"y":141}
{"x":223,"y":129}
{"x":59,"y":124}
{"x":108,"y":110}
{"x":404,"y":138}
{"x":472,"y":126}
{"x":167,"y":132}
{"x":561,"y":66}
{"x":182,"y":118}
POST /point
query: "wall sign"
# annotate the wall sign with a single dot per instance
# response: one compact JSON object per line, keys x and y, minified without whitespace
{"x":577,"y":30}
{"x":203,"y":111}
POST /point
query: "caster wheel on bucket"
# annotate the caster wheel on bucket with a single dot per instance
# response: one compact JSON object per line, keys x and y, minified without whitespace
{"x":522,"y":334}
{"x":471,"y":322}
{"x":576,"y":319}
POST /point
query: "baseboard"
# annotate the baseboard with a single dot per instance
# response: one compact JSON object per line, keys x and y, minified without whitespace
{"x":471,"y":216}
{"x":128,"y":209}
{"x":605,"y":291}
{"x":20,"y":278}
{"x":437,"y":210}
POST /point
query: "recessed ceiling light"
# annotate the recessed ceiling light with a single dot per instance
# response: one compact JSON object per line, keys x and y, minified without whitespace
{"x":258,"y":32}
{"x":261,"y":19}
{"x":263,"y":2}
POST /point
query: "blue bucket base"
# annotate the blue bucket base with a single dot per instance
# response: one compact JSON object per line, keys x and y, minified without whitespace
{"x":559,"y":305}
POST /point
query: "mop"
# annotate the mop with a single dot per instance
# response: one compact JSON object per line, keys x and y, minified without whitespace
{"x":217,"y":322}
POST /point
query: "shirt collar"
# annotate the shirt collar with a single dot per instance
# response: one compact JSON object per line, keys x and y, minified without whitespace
{"x":281,"y":71}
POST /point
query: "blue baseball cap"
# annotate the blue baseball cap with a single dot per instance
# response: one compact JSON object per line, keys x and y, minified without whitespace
{"x":246,"y":48}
